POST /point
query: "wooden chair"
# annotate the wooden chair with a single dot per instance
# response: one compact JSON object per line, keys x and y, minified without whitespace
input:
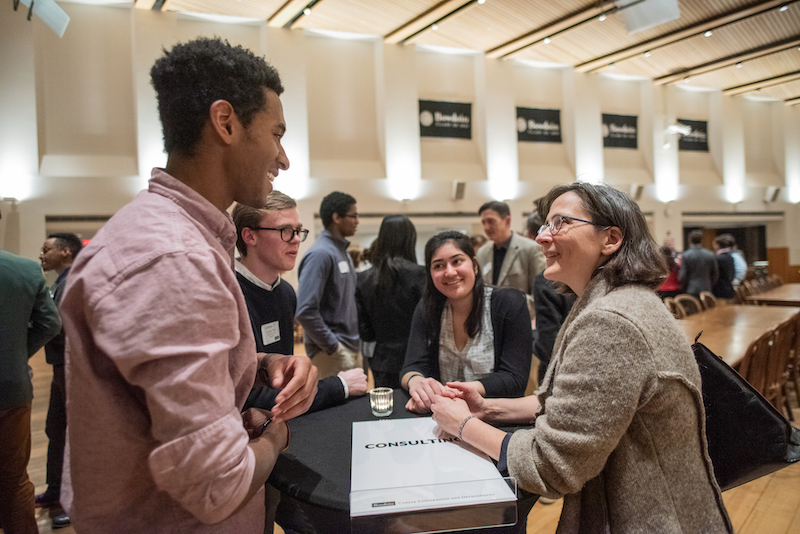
{"x":674,"y":308}
{"x":751,"y":287}
{"x":753,"y":366}
{"x":689,"y":303}
{"x":741,"y":293}
{"x":708,"y":300}
{"x":778,"y":366}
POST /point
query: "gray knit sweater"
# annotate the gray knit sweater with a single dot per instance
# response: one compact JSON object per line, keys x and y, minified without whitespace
{"x":620,"y":432}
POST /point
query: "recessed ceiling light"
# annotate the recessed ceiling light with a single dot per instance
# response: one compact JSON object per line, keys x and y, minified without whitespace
{"x":708,"y":33}
{"x":686,"y":79}
{"x":647,"y":54}
{"x":783,"y":8}
{"x":307,"y":11}
{"x":738,"y":65}
{"x":435,"y":27}
{"x":611,"y":65}
{"x":546,"y":40}
{"x":481,"y":1}
{"x":602,"y":17}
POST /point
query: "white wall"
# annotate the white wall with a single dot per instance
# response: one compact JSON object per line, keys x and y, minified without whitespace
{"x":80,"y":129}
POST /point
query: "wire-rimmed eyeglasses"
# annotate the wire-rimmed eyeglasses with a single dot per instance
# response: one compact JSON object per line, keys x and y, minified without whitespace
{"x":287,"y":233}
{"x":558,"y":220}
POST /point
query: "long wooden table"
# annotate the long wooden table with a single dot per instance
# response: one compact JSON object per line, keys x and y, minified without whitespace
{"x":783,"y":295}
{"x":729,"y":330}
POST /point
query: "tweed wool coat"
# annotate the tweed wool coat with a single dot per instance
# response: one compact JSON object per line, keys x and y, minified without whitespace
{"x":621,"y":428}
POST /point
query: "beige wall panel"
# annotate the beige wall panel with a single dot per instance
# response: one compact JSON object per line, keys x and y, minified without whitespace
{"x":759,"y":143}
{"x":342,"y":117}
{"x":449,"y":78}
{"x":85,"y":85}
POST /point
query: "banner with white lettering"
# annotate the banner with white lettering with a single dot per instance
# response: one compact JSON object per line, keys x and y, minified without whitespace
{"x":619,"y":131}
{"x":539,"y":125}
{"x":697,"y":139}
{"x":445,"y":119}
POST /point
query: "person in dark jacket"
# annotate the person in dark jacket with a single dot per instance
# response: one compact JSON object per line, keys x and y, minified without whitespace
{"x":698,"y":271}
{"x":387,"y":295}
{"x":58,"y":253}
{"x":723,"y":287}
{"x":465,"y":331}
{"x":552,"y":308}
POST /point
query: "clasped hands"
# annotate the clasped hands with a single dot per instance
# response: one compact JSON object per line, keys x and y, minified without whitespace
{"x":450,"y":404}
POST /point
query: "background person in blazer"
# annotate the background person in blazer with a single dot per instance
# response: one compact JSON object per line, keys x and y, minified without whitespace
{"x":699,"y":270}
{"x":508,"y":259}
{"x":28,"y":320}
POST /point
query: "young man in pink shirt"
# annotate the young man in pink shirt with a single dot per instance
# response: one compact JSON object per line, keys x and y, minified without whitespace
{"x":160,"y":355}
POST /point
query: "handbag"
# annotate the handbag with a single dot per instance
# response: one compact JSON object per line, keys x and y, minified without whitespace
{"x":747,"y":437}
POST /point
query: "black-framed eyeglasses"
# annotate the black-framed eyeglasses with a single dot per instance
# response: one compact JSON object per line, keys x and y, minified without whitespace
{"x":287,"y":233}
{"x":558,"y":220}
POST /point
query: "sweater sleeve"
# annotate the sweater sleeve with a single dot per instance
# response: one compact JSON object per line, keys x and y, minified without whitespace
{"x":422,"y":354}
{"x":594,"y":399}
{"x":44,"y":321}
{"x":512,"y":344}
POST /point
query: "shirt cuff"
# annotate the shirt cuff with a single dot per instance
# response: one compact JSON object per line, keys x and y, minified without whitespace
{"x":344,"y":385}
{"x":502,"y":462}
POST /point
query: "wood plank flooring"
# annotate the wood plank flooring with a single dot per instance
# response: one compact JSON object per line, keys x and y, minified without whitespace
{"x":770,"y":504}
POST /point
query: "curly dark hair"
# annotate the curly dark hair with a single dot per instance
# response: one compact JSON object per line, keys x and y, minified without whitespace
{"x":69,"y":241}
{"x":336,"y":202}
{"x":638,"y":260}
{"x":191,"y":76}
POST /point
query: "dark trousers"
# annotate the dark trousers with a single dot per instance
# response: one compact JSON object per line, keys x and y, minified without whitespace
{"x":17,"y":513}
{"x":56,"y":430}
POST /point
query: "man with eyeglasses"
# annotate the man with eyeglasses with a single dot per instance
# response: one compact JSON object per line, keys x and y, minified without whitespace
{"x":268,"y":239}
{"x":326,"y":293}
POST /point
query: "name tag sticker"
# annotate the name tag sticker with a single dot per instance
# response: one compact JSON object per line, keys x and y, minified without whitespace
{"x":487,"y":268}
{"x":270,"y":333}
{"x":344,"y":267}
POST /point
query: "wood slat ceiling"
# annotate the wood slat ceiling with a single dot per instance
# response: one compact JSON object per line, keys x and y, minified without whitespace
{"x":487,"y":26}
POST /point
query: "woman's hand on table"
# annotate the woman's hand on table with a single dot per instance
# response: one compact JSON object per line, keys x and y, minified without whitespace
{"x":422,"y":391}
{"x":468,"y":393}
{"x":449,"y":413}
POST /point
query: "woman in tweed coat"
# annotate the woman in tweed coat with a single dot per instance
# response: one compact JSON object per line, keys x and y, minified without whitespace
{"x":619,"y":420}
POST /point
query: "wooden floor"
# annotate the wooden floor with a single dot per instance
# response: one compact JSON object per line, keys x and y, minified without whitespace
{"x":769,"y":505}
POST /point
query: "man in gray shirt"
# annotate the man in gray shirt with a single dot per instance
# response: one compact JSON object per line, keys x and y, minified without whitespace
{"x":326,"y":293}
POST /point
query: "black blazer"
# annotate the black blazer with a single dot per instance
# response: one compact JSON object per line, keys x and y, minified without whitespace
{"x":512,"y":345}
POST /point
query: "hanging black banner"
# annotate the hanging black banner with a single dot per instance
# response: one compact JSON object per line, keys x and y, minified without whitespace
{"x":539,"y":125}
{"x":697,"y":140}
{"x":619,"y":131}
{"x":445,"y":119}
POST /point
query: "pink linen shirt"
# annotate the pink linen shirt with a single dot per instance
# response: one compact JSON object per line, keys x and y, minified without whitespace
{"x":160,"y":360}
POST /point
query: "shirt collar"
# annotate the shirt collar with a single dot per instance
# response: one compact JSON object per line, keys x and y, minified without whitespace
{"x":250,"y":277}
{"x":504,"y":244}
{"x":340,"y":241}
{"x":218,"y":223}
